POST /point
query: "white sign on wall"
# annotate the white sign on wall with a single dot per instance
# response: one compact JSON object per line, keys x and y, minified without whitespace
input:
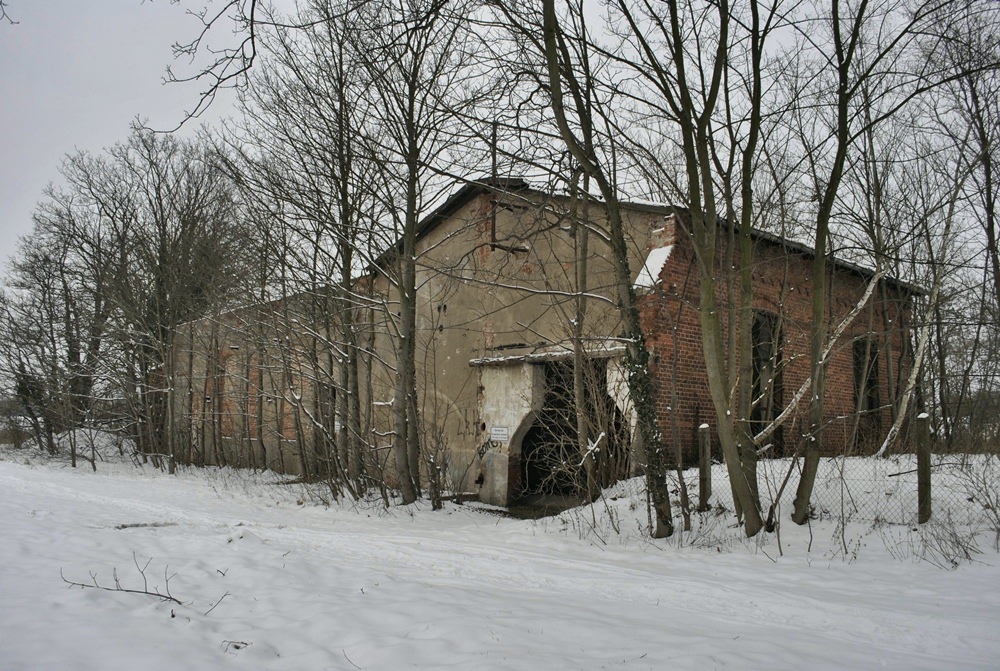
{"x":501,"y":434}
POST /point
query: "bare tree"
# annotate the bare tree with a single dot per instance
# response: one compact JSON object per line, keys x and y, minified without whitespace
{"x":863,"y":87}
{"x":166,"y":218}
{"x":305,"y":114}
{"x":411,"y":64}
{"x":971,"y":54}
{"x":57,"y":313}
{"x":561,"y":72}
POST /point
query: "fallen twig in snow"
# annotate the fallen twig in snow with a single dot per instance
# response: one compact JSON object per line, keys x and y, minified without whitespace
{"x":216,"y":603}
{"x":118,"y":586}
{"x":349,"y":659}
{"x":145,"y":525}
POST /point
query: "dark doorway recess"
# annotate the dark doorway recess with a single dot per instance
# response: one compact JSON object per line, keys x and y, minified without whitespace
{"x":551,"y":472}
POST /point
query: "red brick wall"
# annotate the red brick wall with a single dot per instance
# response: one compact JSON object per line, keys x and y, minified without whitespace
{"x":782,"y":285}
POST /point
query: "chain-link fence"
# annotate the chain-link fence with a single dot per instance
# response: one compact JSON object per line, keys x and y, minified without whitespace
{"x":875,"y":489}
{"x":872,"y":489}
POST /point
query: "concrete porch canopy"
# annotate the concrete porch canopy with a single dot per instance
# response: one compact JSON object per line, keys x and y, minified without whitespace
{"x":512,"y":393}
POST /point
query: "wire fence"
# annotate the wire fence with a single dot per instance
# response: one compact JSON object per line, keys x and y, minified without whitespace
{"x":870,"y":489}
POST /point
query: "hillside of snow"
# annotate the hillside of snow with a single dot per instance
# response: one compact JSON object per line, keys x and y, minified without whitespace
{"x":268,"y":576}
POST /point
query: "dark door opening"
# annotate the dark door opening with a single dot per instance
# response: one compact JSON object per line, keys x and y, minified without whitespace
{"x":548,"y":448}
{"x":552,"y":462}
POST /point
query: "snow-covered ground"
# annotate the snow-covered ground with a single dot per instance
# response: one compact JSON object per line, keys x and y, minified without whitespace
{"x":269,"y":578}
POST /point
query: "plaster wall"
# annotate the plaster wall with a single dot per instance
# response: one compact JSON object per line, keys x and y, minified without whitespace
{"x":510,"y":398}
{"x":496,"y":279}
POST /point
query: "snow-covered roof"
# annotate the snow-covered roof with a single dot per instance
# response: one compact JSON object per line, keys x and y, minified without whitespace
{"x":650,"y":273}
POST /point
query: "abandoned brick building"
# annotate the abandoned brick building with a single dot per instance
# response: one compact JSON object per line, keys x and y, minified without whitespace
{"x":498,"y":318}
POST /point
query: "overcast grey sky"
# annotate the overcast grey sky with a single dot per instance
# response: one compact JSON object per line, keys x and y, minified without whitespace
{"x":73,"y":75}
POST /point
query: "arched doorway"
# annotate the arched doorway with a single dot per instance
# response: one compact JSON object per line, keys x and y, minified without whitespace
{"x":546,"y":464}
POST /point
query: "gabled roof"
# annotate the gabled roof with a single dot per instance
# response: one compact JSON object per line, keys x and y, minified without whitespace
{"x":452,"y":204}
{"x":471,"y":189}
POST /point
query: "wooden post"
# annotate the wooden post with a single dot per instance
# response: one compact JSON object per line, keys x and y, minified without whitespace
{"x":171,"y":465}
{"x":923,"y":468}
{"x":704,"y":467}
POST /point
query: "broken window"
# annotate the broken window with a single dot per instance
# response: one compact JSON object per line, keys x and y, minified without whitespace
{"x":767,"y":387}
{"x":866,"y":386}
